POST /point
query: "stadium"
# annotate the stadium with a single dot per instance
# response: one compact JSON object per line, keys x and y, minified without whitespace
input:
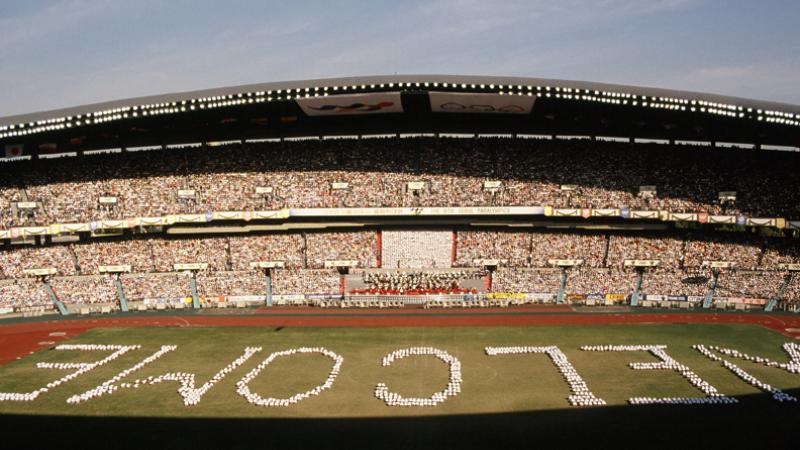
{"x":429,"y":260}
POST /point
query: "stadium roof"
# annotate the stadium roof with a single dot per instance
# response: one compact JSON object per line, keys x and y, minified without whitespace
{"x":406,"y":104}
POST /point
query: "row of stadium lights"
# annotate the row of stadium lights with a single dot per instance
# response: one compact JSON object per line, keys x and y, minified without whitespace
{"x":221,"y":101}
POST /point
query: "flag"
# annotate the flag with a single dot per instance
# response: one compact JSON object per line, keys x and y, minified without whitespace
{"x":14,"y":150}
{"x":48,"y":147}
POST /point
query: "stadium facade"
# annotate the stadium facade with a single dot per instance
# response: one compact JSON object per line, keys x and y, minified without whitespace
{"x":509,"y":189}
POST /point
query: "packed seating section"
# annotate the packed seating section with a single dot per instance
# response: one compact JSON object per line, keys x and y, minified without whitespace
{"x":377,"y":172}
{"x":680,"y":272}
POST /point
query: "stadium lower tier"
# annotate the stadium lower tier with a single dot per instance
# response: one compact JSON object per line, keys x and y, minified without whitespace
{"x":300,"y":286}
{"x":413,"y":172}
{"x":400,"y":262}
{"x":404,"y":249}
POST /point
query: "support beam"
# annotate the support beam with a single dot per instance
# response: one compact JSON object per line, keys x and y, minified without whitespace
{"x":773,"y":301}
{"x":562,"y":288}
{"x":268,"y":281}
{"x":123,"y":302}
{"x":637,"y":288}
{"x":62,"y":309}
{"x":193,"y":290}
{"x":709,"y":298}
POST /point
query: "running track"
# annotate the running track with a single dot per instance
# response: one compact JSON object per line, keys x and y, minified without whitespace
{"x":18,"y":339}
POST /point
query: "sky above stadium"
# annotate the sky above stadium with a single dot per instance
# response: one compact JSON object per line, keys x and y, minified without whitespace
{"x":61,"y":53}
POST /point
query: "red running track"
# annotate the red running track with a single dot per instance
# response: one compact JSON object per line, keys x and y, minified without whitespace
{"x":20,"y":339}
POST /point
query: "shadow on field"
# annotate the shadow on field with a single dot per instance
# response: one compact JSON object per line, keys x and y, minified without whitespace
{"x":756,"y":420}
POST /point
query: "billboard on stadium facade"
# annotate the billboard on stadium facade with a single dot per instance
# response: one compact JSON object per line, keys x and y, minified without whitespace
{"x":353,"y":104}
{"x":451,"y":102}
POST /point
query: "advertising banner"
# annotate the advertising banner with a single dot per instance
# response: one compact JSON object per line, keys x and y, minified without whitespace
{"x":451,"y":102}
{"x":41,"y":271}
{"x":340,"y":263}
{"x":605,"y":212}
{"x":644,"y":215}
{"x":191,"y":218}
{"x":641,"y":262}
{"x":506,"y":296}
{"x":74,"y":227}
{"x":111,"y":224}
{"x":425,"y":211}
{"x":267,"y":264}
{"x":719,"y":264}
{"x":120,"y":268}
{"x":682,"y":217}
{"x":228,"y":215}
{"x":762,"y":222}
{"x":352,"y":104}
{"x":190,"y":266}
{"x":279,"y":214}
{"x":566,"y":212}
{"x":722,"y":219}
{"x":151,"y":221}
{"x":565,"y":262}
{"x":34,"y":231}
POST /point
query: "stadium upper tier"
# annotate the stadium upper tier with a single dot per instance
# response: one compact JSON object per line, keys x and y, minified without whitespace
{"x":401,"y":172}
{"x":405,"y":104}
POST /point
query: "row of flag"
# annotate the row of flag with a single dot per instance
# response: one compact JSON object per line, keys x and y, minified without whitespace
{"x":17,"y":150}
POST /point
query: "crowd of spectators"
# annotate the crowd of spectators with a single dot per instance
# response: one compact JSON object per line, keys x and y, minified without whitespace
{"x":137,"y":253}
{"x":14,"y":262}
{"x":85,"y":290}
{"x":376,"y":173}
{"x":514,"y":248}
{"x":223,"y":284}
{"x":748,"y":284}
{"x":542,"y":281}
{"x":587,"y":247}
{"x":289,"y":248}
{"x":675,"y":282}
{"x":305,"y":255}
{"x":162,"y":287}
{"x":780,"y":252}
{"x":341,"y":246}
{"x":23,"y":293}
{"x":600,"y":281}
{"x":306,"y":281}
{"x":668,"y":251}
{"x":743,"y":251}
{"x":211,"y":251}
{"x":792,"y":292}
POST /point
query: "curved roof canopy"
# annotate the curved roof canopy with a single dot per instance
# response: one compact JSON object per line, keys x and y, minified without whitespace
{"x":405,"y":104}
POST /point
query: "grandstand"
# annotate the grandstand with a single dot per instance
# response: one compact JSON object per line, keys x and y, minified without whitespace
{"x":402,"y":189}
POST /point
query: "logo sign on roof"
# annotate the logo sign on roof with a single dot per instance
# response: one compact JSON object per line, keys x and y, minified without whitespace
{"x":448,"y":102}
{"x":354,"y":104}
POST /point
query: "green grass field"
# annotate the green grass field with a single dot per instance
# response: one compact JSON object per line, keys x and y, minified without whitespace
{"x":511,"y":401}
{"x":491,"y":384}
